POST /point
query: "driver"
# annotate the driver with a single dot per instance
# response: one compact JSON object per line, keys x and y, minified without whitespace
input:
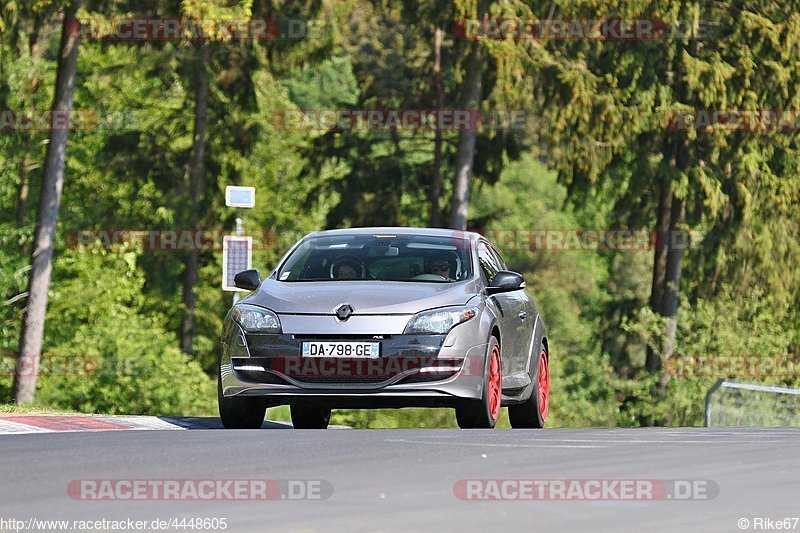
{"x":444,"y":266}
{"x":346,"y":268}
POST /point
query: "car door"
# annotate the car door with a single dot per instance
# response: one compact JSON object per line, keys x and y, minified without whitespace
{"x":504,"y":304}
{"x":522,"y":317}
{"x":531,"y":329}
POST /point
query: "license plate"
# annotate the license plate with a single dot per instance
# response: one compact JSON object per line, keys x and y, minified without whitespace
{"x":341,"y":349}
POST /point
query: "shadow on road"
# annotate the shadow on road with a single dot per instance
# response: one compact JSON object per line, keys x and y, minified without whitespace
{"x":196,"y":422}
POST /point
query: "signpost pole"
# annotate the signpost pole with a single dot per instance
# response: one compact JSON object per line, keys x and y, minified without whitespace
{"x":239,"y":233}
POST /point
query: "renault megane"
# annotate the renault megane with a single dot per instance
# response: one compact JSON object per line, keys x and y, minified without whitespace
{"x":385,"y":317}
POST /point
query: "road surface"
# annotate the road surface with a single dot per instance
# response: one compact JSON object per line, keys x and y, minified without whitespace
{"x":403,"y":480}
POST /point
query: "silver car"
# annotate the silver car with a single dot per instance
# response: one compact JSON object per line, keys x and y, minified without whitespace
{"x":385,"y":317}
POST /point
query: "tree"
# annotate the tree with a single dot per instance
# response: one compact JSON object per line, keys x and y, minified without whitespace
{"x":30,"y":346}
{"x":465,"y":156}
{"x":196,"y":165}
{"x":394,"y":69}
{"x":435,"y":188}
{"x":608,"y":106}
{"x":196,"y":176}
{"x":496,"y":81}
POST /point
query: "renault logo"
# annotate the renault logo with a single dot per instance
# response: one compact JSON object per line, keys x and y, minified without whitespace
{"x":344,"y":312}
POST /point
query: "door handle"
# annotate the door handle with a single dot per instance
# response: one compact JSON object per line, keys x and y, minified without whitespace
{"x":523,"y":315}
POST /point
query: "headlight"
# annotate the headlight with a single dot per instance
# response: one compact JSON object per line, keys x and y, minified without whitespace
{"x":256,"y":319}
{"x":440,"y":321}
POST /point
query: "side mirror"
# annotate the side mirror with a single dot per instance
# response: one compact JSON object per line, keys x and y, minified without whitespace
{"x":506,"y":281}
{"x":248,"y":280}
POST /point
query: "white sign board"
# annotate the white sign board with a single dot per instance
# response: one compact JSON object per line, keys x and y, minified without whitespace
{"x":237,"y":256}
{"x":236,"y":196}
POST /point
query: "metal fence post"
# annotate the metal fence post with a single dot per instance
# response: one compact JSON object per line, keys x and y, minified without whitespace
{"x":711,"y":391}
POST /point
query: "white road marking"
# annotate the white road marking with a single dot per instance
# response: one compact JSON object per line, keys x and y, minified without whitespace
{"x":142,"y":422}
{"x":9,"y":427}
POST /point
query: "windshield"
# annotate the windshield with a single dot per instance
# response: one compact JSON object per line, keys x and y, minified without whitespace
{"x":415,"y":258}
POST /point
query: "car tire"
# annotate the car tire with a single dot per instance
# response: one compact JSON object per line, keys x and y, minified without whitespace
{"x":240,"y":412}
{"x":310,"y":416}
{"x":483,"y":413}
{"x":532,"y":413}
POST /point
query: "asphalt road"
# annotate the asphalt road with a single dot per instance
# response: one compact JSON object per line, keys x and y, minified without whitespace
{"x":403,"y":480}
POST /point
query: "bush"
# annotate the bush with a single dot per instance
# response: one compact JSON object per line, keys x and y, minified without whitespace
{"x":103,"y":354}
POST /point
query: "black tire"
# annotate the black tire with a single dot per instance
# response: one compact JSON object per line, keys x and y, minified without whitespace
{"x":240,"y":412}
{"x":310,"y":416}
{"x":477,"y":414}
{"x":531,"y":414}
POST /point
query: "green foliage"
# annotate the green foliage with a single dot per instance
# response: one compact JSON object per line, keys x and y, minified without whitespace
{"x":13,"y":283}
{"x":134,"y":365}
{"x":329,"y":85}
{"x":136,"y":369}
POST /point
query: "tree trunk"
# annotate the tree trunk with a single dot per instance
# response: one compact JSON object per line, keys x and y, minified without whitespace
{"x":465,"y":155}
{"x":30,"y":345}
{"x":668,"y":260}
{"x":435,"y":189}
{"x":672,"y":279}
{"x":653,"y":360}
{"x":195,"y":170}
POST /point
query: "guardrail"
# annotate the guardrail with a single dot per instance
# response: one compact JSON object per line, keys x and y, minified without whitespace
{"x":734,"y":404}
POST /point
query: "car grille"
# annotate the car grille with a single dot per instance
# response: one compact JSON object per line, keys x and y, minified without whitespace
{"x":354,"y":337}
{"x":338,"y":379}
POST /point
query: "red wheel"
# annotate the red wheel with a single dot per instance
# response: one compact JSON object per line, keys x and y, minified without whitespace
{"x":495,"y":382}
{"x":484,"y":413}
{"x":544,"y":385}
{"x":532,"y":413}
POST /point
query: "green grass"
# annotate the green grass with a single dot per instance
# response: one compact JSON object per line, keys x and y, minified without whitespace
{"x":30,"y":409}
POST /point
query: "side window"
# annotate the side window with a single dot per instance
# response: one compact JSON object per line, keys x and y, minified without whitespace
{"x":488,"y":261}
{"x":499,"y":260}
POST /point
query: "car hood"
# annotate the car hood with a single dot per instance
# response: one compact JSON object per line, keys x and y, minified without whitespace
{"x":365,"y":297}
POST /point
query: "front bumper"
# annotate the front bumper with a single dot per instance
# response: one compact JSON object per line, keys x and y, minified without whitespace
{"x":412,"y":370}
